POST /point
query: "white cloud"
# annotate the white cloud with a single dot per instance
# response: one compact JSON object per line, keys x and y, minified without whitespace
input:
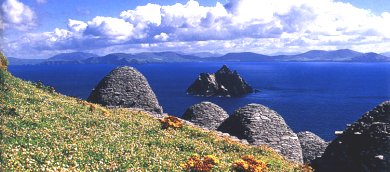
{"x":187,"y":15}
{"x":149,"y":14}
{"x":17,"y":15}
{"x":161,"y":37}
{"x":76,"y":25}
{"x":263,"y":26}
{"x":109,"y":28}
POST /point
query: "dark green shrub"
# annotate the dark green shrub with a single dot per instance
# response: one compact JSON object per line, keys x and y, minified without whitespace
{"x":7,"y":110}
{"x":41,"y":86}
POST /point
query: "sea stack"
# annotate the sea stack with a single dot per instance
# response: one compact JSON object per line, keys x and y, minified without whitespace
{"x":125,"y":87}
{"x":206,"y":114}
{"x":260,"y":125}
{"x":312,"y":146}
{"x":224,"y":82}
{"x":363,"y":146}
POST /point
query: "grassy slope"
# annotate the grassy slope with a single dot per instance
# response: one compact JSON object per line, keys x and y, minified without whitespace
{"x":42,"y":130}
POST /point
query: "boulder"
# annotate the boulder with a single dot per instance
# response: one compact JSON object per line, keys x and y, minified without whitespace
{"x":260,"y":125}
{"x":222,"y":83}
{"x":312,"y":146}
{"x":125,"y":87}
{"x":206,"y":114}
{"x":363,"y":146}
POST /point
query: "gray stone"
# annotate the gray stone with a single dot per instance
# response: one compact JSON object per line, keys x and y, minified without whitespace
{"x":206,"y":114}
{"x":363,"y":146}
{"x":128,"y":88}
{"x":312,"y":146}
{"x":246,"y":123}
{"x":223,"y":83}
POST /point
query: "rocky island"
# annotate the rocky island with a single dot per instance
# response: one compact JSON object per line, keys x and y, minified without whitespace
{"x":224,"y":82}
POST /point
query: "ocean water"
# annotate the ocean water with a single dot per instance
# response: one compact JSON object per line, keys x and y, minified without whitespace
{"x":317,"y":97}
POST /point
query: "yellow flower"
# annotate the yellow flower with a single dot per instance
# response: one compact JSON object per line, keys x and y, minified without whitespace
{"x":183,"y":165}
{"x":195,"y":163}
{"x":241,"y":164}
{"x":171,"y":122}
{"x":212,"y":159}
{"x":248,"y":163}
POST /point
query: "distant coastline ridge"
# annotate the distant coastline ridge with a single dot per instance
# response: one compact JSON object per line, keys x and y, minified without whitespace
{"x":342,"y":55}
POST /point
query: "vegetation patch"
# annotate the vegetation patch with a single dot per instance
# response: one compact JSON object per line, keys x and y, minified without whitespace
{"x":171,"y":122}
{"x":3,"y":61}
{"x":248,"y":163}
{"x":197,"y":164}
{"x":44,"y":131}
{"x":41,"y":86}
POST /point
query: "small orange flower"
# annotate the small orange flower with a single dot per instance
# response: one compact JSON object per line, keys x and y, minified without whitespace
{"x":305,"y":168}
{"x":171,"y":122}
{"x":105,"y":112}
{"x":248,"y":163}
{"x":196,"y":164}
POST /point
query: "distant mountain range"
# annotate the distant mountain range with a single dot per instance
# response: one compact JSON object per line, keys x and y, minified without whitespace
{"x":160,"y":57}
{"x":76,"y":57}
{"x":386,"y":54}
{"x":343,"y":55}
{"x":17,"y":61}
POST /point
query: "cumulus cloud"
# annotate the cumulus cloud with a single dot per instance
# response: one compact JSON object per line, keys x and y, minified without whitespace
{"x":77,"y":26}
{"x":109,"y":28}
{"x":239,"y":25}
{"x":161,"y":37}
{"x":17,"y":15}
{"x":148,"y":14}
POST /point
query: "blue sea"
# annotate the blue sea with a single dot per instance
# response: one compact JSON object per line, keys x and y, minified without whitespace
{"x":318,"y":97}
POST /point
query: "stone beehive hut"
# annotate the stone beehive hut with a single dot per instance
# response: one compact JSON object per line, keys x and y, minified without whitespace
{"x":363,"y":146}
{"x":125,"y":87}
{"x":263,"y":126}
{"x":312,"y":146}
{"x":206,"y":114}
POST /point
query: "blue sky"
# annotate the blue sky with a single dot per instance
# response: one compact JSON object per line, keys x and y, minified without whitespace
{"x":42,"y":28}
{"x":377,"y":6}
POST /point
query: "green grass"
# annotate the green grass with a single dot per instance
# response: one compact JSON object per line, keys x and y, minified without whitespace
{"x":44,"y":130}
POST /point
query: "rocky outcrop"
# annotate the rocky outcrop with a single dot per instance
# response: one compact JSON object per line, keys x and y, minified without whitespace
{"x":125,"y":87}
{"x":312,"y":146}
{"x":223,"y":83}
{"x":260,"y":125}
{"x":363,"y":146}
{"x":206,"y":114}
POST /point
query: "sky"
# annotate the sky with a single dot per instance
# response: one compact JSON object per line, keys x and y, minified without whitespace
{"x":43,"y":28}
